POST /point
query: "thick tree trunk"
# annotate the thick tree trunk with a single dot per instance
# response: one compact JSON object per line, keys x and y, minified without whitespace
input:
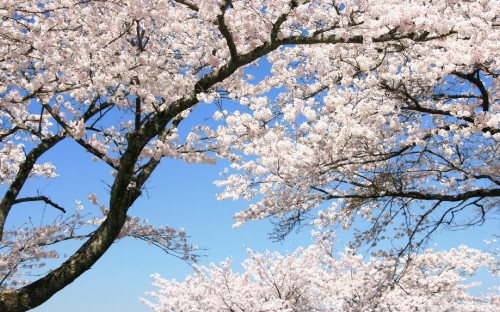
{"x":122,"y":198}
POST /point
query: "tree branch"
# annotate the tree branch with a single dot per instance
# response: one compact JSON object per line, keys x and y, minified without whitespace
{"x":281,"y":20}
{"x":479,"y":193}
{"x":45,"y":199}
{"x":225,"y":31}
{"x":22,"y":176}
{"x":189,"y":4}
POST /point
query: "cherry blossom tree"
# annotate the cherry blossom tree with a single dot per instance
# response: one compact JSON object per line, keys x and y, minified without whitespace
{"x":313,"y":279}
{"x":388,"y":110}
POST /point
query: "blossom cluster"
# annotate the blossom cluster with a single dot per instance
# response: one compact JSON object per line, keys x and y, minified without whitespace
{"x":312,"y":279}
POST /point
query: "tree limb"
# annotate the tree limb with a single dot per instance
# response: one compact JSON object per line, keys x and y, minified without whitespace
{"x":45,"y":199}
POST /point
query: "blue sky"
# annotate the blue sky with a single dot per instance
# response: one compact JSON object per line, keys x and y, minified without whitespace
{"x":180,"y":195}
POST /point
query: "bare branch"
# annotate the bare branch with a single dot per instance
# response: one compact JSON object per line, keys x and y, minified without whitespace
{"x":45,"y":199}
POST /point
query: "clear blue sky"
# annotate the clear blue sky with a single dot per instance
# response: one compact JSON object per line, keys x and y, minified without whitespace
{"x":178,"y":195}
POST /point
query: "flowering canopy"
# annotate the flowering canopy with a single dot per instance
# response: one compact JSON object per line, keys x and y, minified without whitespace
{"x":313,"y":279}
{"x":388,"y":109}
